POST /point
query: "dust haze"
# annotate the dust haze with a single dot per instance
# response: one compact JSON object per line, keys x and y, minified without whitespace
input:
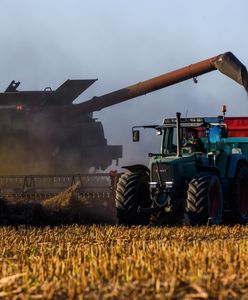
{"x":43,"y":43}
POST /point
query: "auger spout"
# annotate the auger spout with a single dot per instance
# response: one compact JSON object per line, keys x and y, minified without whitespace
{"x":226,"y":63}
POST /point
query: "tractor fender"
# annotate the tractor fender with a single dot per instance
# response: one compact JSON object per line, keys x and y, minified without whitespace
{"x":137,"y":169}
{"x":234,"y":159}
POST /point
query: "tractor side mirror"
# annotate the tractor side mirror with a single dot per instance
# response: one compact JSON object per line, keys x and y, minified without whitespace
{"x":136,"y":135}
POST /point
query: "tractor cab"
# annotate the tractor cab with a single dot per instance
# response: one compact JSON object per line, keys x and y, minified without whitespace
{"x":189,"y":143}
{"x":200,"y":137}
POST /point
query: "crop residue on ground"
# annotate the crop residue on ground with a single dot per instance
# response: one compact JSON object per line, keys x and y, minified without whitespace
{"x":111,"y":262}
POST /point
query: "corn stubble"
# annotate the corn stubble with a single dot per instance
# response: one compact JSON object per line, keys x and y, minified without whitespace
{"x":111,"y":262}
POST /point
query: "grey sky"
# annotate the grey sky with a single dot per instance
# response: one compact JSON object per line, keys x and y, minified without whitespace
{"x":122,"y":42}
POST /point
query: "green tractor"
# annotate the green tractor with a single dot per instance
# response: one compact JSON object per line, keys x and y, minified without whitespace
{"x":199,"y":177}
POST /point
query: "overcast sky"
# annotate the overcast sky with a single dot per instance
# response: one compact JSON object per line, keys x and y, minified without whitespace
{"x":45,"y":42}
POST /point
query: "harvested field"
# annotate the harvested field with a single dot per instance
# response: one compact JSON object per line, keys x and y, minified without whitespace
{"x":111,"y":262}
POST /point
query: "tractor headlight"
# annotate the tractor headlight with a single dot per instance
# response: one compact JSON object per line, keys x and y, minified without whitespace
{"x":153,"y":184}
{"x":169,"y":184}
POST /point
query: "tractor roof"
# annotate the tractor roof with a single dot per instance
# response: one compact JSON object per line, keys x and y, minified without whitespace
{"x":193,"y":121}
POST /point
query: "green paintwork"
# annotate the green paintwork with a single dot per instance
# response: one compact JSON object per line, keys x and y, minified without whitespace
{"x":217,"y":151}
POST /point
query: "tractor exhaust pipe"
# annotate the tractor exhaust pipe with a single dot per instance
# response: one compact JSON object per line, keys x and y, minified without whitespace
{"x":178,"y":124}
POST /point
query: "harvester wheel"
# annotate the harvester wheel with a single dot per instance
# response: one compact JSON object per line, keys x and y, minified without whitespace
{"x":239,"y":194}
{"x":204,"y":200}
{"x":132,"y":191}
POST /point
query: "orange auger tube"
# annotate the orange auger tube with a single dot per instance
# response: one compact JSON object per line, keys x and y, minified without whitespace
{"x":226,"y":63}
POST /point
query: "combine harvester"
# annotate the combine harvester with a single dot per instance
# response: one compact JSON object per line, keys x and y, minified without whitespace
{"x":53,"y":143}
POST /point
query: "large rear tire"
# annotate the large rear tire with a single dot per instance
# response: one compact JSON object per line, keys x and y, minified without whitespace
{"x":239,"y":194}
{"x":132,"y":191}
{"x":204,"y":202}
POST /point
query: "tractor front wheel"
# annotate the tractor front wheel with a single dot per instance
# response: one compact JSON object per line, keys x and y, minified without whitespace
{"x":204,"y":200}
{"x":132,"y":191}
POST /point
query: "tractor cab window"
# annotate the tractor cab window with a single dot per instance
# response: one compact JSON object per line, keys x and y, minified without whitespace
{"x":214,"y":134}
{"x":168,"y":146}
{"x":192,"y":141}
